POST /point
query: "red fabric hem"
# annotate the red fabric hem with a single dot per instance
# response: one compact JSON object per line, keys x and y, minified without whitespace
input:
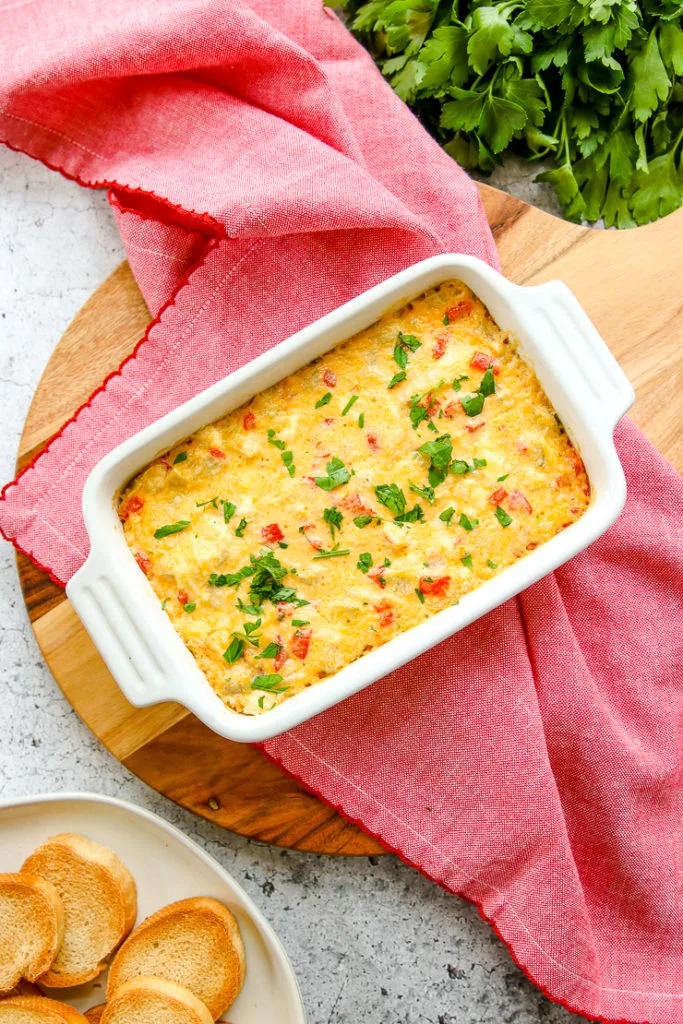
{"x":213,"y":240}
{"x":454,"y":892}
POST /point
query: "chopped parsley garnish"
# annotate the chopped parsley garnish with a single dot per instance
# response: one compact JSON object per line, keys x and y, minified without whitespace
{"x":426,"y":492}
{"x":391,"y":496}
{"x":234,"y":651}
{"x":180,"y":457}
{"x":241,"y":527}
{"x":400,"y":355}
{"x":413,"y":516}
{"x":491,"y":565}
{"x":503,"y":518}
{"x":410,"y":341}
{"x":361,"y":420}
{"x":165,"y":531}
{"x":281,"y":544}
{"x":396,"y":379}
{"x":265,"y":578}
{"x":419,"y":412}
{"x":337,"y":474}
{"x":457,"y":383}
{"x":271,"y":651}
{"x":466,"y":522}
{"x":503,"y":477}
{"x":447,"y":515}
{"x":332,"y":553}
{"x":361,"y":521}
{"x":300,"y":622}
{"x":272,"y":439}
{"x":467,"y":561}
{"x":269,"y":683}
{"x":250,"y":634}
{"x":473,"y":404}
{"x":327,"y":397}
{"x":288,"y":459}
{"x":446,"y":321}
{"x":228,"y":511}
{"x":164,"y":603}
{"x":248,"y":609}
{"x":479,"y":463}
{"x":460,"y":466}
{"x":352,"y":399}
{"x":439,"y":452}
{"x":203,"y":504}
{"x":364,"y":561}
{"x":189,"y":607}
{"x":420,"y":595}
{"x":333,"y":518}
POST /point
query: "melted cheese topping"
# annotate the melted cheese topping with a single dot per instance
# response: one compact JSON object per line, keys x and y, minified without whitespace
{"x":249,"y":535}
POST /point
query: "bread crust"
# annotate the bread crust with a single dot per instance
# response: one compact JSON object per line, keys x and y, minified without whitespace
{"x":95,"y":886}
{"x":40,"y":1010}
{"x":31,"y":928}
{"x":140,"y":995}
{"x":94,"y":1014}
{"x":215,"y":937}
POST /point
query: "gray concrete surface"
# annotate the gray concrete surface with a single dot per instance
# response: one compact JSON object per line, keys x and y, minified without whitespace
{"x":371,"y":940}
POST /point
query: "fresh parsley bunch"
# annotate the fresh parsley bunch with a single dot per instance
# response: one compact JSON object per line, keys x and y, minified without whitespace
{"x":594,"y":85}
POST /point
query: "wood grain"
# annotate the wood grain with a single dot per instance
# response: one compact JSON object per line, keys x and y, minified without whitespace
{"x":629,"y":282}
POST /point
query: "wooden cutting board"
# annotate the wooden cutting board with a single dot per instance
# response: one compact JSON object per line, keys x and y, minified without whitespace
{"x":630,"y":284}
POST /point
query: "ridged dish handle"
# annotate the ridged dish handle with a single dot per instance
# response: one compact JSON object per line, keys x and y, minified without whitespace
{"x":112,"y":612}
{"x":560,"y":313}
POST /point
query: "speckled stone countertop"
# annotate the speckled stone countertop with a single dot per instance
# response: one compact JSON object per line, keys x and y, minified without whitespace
{"x":371,"y":940}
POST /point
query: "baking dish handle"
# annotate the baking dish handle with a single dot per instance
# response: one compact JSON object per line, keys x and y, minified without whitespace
{"x":561,"y":312}
{"x":112,"y":613}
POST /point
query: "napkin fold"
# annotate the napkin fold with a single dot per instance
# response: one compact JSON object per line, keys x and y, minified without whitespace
{"x":262,"y":173}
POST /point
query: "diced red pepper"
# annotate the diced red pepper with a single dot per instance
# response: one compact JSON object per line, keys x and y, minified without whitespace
{"x":518,"y":502}
{"x":377,"y":576}
{"x":312,"y":538}
{"x":328,"y":421}
{"x":281,"y":656}
{"x":301,"y":641}
{"x":373,"y":441}
{"x":460,"y":309}
{"x":329,"y":378}
{"x":183,"y":597}
{"x":216,"y":453}
{"x":272,"y":534}
{"x":130,"y":505}
{"x":472,"y":425}
{"x":577,"y":462}
{"x":249,"y":421}
{"x":500,"y":494}
{"x":354,"y":503}
{"x":385,"y":612}
{"x":440,"y":346}
{"x":482,"y":361}
{"x":437,"y":587}
{"x":521,"y":445}
{"x":452,"y":410}
{"x":144,"y":561}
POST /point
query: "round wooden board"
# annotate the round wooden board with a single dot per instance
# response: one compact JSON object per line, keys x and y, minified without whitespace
{"x":629,"y":282}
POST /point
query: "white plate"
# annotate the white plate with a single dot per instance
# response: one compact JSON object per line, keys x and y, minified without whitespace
{"x":166,"y":867}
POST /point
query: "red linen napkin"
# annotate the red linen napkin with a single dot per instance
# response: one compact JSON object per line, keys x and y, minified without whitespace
{"x":262,"y":173}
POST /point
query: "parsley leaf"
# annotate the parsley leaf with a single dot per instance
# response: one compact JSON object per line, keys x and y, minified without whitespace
{"x":447,"y":515}
{"x":467,"y":561}
{"x":333,"y":517}
{"x":364,"y":561}
{"x":180,"y":457}
{"x":166,"y":531}
{"x":439,"y":452}
{"x":467,"y":523}
{"x":361,"y":521}
{"x":501,"y":515}
{"x":234,"y":651}
{"x":228,"y":511}
{"x":337,"y":474}
{"x":396,"y":379}
{"x":270,"y":651}
{"x":270,"y":683}
{"x":352,"y":399}
{"x":327,"y":397}
{"x":392,"y":497}
{"x":241,"y":527}
{"x":426,"y":492}
{"x":332,"y":553}
{"x":472,"y":404}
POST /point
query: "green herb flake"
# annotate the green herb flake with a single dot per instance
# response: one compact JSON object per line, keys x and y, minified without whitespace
{"x":327,"y":397}
{"x":234,"y":651}
{"x":270,"y":683}
{"x":467,"y":523}
{"x":180,"y":457}
{"x":361,"y":521}
{"x":392,"y":497}
{"x":163,"y":604}
{"x":447,"y":515}
{"x":361,"y":420}
{"x":479,"y":463}
{"x":446,"y":321}
{"x":472,"y":404}
{"x":337,"y":474}
{"x":300,"y":622}
{"x":349,"y":404}
{"x":271,"y":651}
{"x":166,"y":531}
{"x":400,"y":356}
{"x":413,"y":516}
{"x":203,"y":504}
{"x":420,"y":595}
{"x":334,"y":552}
{"x":334,"y":518}
{"x":457,"y":383}
{"x":396,"y":379}
{"x":409,"y":341}
{"x":491,"y":565}
{"x":503,"y":477}
{"x":501,"y":515}
{"x":241,"y":527}
{"x":467,"y":561}
{"x":439,"y":453}
{"x":189,"y":607}
{"x":228,"y":511}
{"x":426,"y":492}
{"x":272,"y":439}
{"x":488,"y":384}
{"x":288,"y":459}
{"x":364,"y":562}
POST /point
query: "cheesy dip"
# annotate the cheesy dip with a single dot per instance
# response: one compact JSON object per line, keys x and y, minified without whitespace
{"x":351,"y":501}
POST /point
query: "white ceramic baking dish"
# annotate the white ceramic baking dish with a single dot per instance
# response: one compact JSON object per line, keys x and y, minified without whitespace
{"x":124,"y":617}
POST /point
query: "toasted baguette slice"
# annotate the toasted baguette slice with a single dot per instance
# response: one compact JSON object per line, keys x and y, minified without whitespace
{"x":100,"y":902}
{"x":94,"y":1014}
{"x":24,"y":988}
{"x":154,"y":1001}
{"x":31,"y":928}
{"x":195,"y":943}
{"x":38,"y":1010}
